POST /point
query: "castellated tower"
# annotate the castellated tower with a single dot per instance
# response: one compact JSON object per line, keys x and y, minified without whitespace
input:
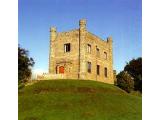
{"x":110,"y":56}
{"x":82,"y":37}
{"x":79,"y":54}
{"x":53,"y":34}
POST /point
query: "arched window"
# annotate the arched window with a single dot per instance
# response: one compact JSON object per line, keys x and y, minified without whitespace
{"x":105,"y":55}
{"x":88,"y":48}
{"x":98,"y":53}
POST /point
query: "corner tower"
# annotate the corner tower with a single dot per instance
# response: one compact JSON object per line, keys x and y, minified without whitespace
{"x":82,"y":37}
{"x":53,"y":34}
{"x":110,"y":56}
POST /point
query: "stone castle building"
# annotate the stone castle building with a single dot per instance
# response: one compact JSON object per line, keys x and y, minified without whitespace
{"x":79,"y":54}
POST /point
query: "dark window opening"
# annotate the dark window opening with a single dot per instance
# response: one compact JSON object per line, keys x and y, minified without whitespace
{"x":105,"y":72}
{"x":67,"y":47}
{"x":98,"y":70}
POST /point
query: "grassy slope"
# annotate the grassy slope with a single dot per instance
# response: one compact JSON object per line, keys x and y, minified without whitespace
{"x":77,"y":100}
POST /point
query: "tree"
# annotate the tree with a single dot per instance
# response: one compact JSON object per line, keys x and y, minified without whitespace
{"x":125,"y":81}
{"x":134,"y":68}
{"x":25,"y":63}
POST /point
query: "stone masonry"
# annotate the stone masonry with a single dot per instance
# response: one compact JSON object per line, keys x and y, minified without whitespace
{"x":79,"y":54}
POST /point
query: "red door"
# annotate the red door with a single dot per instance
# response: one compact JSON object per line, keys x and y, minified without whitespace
{"x":61,"y":69}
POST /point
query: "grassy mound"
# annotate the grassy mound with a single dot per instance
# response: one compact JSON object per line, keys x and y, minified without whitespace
{"x":77,"y":100}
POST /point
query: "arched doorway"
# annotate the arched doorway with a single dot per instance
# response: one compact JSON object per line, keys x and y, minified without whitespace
{"x":61,"y":69}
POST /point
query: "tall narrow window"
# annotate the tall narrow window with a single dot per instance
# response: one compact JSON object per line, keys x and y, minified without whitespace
{"x":67,"y":47}
{"x":98,"y":53}
{"x":98,"y":70}
{"x":89,"y":67}
{"x":88,"y":48}
{"x":105,"y":72}
{"x":105,"y":55}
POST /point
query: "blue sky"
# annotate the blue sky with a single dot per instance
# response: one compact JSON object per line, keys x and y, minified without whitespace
{"x":121,"y":19}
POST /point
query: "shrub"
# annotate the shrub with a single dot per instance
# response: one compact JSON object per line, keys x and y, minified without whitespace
{"x":25,"y":63}
{"x":134,"y":68}
{"x":125,"y":81}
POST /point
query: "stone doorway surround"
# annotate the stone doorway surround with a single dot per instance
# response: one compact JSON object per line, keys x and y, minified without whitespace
{"x":64,"y":67}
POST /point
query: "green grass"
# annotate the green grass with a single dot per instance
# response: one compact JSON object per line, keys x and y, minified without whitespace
{"x":77,"y":100}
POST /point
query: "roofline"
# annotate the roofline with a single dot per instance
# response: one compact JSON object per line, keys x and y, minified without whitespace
{"x":97,"y":37}
{"x":68,"y":31}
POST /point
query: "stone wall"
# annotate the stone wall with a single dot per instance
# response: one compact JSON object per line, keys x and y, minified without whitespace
{"x":70,"y":60}
{"x":103,"y":46}
{"x":75,"y":61}
{"x":51,"y":76}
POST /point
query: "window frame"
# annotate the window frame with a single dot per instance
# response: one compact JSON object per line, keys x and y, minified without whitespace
{"x":97,"y":51}
{"x":88,"y":48}
{"x":105,"y":55}
{"x":89,"y":67}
